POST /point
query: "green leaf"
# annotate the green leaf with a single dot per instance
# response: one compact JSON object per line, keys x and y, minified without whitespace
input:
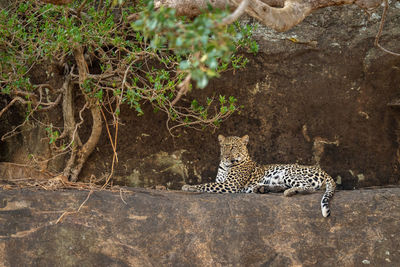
{"x":184,"y":65}
{"x":222,"y":99}
{"x":212,"y":63}
{"x":202,"y":81}
{"x":223,"y":109}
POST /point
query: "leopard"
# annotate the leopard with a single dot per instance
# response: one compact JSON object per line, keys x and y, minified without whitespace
{"x":238,"y":173}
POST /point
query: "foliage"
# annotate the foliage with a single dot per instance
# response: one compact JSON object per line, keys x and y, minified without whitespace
{"x":200,"y":46}
{"x":135,"y":55}
{"x":32,"y":33}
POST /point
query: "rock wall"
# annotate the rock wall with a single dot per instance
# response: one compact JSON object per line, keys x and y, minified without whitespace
{"x":159,"y":228}
{"x":319,"y":93}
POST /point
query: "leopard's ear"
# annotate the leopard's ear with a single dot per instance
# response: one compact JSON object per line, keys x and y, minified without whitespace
{"x":245,"y":139}
{"x":221,"y":138}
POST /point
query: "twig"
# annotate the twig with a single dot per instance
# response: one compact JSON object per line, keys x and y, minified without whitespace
{"x":72,"y":212}
{"x":52,"y":104}
{"x":183,"y":88}
{"x":113,"y":144}
{"x":13,"y":132}
{"x":378,"y":36}
{"x":109,"y":134}
{"x":15,"y":99}
{"x":111,"y":173}
{"x":120,"y":194}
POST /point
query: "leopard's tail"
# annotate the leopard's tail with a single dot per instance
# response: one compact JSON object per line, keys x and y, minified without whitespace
{"x":330,"y":190}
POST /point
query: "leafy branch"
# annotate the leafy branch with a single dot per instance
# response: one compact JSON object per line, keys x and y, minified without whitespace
{"x":110,"y":56}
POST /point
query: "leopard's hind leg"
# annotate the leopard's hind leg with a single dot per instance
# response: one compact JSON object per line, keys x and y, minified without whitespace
{"x":298,"y":190}
{"x":265,"y":188}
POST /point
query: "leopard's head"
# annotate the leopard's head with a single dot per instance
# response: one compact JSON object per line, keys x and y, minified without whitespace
{"x":233,"y":149}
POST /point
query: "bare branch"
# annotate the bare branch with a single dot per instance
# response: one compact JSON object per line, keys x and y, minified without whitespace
{"x":15,"y":99}
{"x":280,"y":19}
{"x":50,"y":105}
{"x":183,"y":88}
{"x":236,"y":14}
{"x":378,"y":35}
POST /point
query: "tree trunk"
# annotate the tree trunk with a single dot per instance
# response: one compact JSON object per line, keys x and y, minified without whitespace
{"x":80,"y":152}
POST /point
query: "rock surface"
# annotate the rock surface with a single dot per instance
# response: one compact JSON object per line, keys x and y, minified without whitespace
{"x":161,"y":228}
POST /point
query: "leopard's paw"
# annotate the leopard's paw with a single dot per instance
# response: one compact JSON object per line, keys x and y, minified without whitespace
{"x":188,"y":188}
{"x":260,"y":189}
{"x":289,"y":192}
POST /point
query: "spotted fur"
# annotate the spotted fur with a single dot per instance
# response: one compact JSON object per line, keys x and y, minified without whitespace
{"x":237,"y":173}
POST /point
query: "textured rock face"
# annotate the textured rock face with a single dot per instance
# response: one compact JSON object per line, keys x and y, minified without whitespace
{"x":156,"y":228}
{"x":320,"y":92}
{"x":317,"y":93}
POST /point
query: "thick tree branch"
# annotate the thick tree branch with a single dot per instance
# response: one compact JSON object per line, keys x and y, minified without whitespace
{"x":236,"y":14}
{"x":280,"y":19}
{"x":94,"y":137}
{"x":70,"y":127}
{"x":279,"y":15}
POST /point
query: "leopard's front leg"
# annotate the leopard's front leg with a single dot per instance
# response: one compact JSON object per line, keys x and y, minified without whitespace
{"x":212,"y":188}
{"x":191,"y":188}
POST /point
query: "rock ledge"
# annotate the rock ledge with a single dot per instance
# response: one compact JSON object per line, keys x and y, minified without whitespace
{"x":157,"y":228}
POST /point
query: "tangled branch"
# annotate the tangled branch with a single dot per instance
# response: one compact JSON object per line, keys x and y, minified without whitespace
{"x":108,"y":63}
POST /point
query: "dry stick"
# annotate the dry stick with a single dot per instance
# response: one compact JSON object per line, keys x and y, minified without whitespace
{"x":120,"y":194}
{"x":112,"y":172}
{"x":15,"y":99}
{"x":123,"y":83}
{"x":73,"y":212}
{"x":114,"y":145}
{"x":13,"y":132}
{"x":380,"y":31}
{"x":115,"y":139}
{"x":51,"y":105}
{"x":108,"y":131}
{"x":184,"y":87}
